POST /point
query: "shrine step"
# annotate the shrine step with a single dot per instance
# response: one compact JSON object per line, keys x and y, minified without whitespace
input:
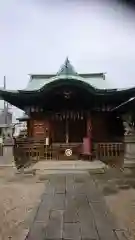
{"x":95,"y":166}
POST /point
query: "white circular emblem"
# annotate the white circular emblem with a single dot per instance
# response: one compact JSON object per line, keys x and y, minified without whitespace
{"x":68,"y":152}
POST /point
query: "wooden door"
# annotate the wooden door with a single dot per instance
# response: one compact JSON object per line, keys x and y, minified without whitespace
{"x":77,"y":130}
{"x":59,"y":131}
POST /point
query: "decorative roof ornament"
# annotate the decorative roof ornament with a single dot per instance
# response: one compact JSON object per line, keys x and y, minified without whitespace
{"x":67,"y":69}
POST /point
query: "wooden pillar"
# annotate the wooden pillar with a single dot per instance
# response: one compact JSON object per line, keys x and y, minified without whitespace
{"x":89,"y":131}
{"x":87,"y":145}
{"x":67,"y":131}
{"x":29,"y":128}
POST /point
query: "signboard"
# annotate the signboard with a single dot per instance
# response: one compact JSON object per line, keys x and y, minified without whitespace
{"x":38,"y":127}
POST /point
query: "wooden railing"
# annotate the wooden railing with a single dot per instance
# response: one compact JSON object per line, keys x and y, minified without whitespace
{"x":108,"y":150}
{"x":29,"y":149}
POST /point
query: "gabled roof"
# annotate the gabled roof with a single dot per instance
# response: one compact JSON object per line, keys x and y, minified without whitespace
{"x":40,"y":85}
{"x":67,"y":71}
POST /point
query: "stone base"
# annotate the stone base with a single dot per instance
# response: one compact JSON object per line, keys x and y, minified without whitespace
{"x":129,"y":155}
{"x":129,"y":163}
{"x":69,"y":166}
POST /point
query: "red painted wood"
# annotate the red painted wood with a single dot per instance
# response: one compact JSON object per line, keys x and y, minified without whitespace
{"x":89,"y":134}
{"x":86,"y":146}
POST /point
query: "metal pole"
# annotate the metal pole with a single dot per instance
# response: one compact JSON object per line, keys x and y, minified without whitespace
{"x":5,"y":104}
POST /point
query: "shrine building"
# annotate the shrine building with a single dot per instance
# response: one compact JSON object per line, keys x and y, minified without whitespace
{"x":70,"y":116}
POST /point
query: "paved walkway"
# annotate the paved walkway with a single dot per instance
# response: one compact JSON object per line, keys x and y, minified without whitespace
{"x":73,"y":209}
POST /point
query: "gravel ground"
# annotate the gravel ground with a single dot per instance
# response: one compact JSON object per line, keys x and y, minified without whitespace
{"x":119,"y":191}
{"x":18,"y":200}
{"x":122,"y":205}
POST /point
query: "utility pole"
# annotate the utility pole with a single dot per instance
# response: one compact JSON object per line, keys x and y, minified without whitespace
{"x":5,"y":104}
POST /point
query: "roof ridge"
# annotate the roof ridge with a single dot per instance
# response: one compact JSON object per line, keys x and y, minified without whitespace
{"x":67,"y":69}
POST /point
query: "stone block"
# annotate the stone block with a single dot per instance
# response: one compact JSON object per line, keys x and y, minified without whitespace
{"x":54,"y":228}
{"x":129,"y":150}
{"x":71,"y":231}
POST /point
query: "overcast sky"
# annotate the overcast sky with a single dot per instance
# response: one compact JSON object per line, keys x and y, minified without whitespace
{"x":37,"y":35}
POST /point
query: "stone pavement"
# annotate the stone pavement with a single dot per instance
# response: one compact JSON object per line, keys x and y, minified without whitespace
{"x":72,"y":208}
{"x":69,"y":165}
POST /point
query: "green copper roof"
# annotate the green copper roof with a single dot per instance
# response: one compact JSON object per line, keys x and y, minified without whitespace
{"x":66,"y":72}
{"x":40,"y":85}
{"x":67,"y":69}
{"x":95,"y":82}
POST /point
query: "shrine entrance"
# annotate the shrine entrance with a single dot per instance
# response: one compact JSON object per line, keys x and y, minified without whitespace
{"x":59,"y":131}
{"x":71,"y":129}
{"x":65,"y":121}
{"x":77,"y":130}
